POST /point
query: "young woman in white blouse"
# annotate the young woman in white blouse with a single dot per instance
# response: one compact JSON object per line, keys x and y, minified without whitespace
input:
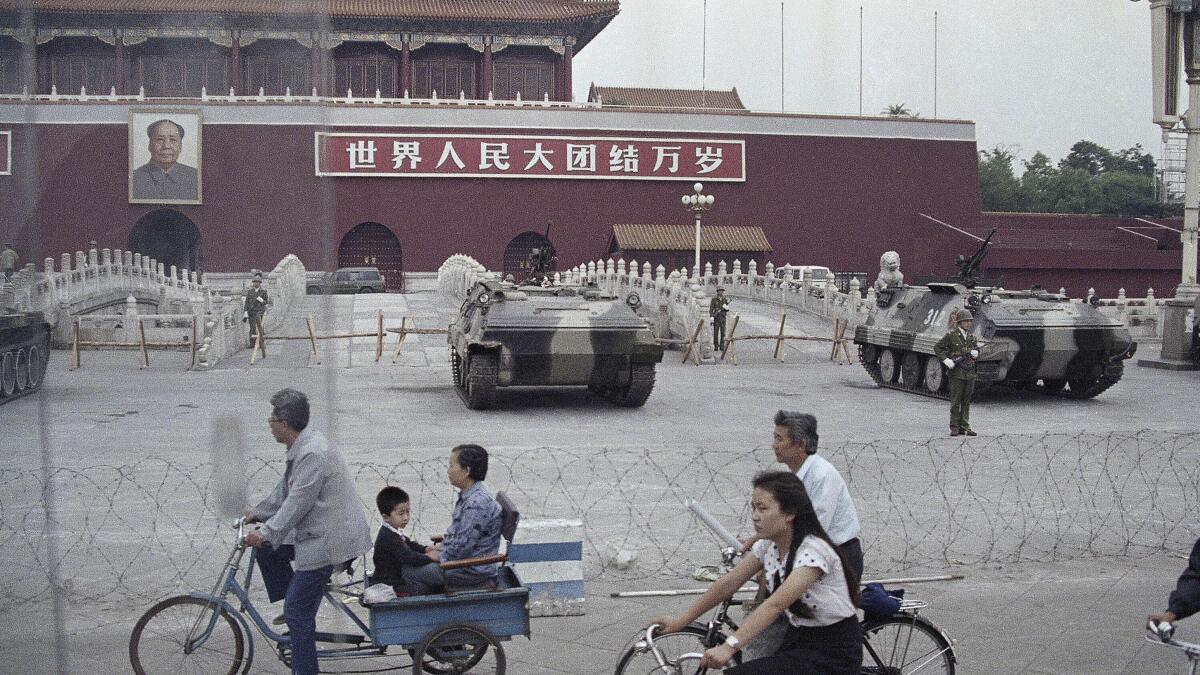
{"x":807,"y":579}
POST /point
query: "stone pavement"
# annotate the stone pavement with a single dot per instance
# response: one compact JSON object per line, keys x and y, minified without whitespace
{"x":1074,"y":616}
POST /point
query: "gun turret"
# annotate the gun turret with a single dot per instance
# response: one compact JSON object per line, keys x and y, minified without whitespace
{"x":541,"y":259}
{"x":969,"y":267}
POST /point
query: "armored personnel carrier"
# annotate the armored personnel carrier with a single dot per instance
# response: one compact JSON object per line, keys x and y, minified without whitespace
{"x":508,"y":336}
{"x":1030,"y":339}
{"x":24,"y":353}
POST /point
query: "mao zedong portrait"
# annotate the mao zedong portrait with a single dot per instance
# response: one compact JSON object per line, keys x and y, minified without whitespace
{"x":164,"y":176}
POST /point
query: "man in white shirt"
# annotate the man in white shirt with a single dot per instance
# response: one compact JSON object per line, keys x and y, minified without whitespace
{"x":795,"y":444}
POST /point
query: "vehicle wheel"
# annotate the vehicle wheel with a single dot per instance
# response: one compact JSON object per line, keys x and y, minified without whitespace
{"x":22,"y":370}
{"x":641,"y":383}
{"x":456,"y":369}
{"x":889,"y":365}
{"x":671,"y":646}
{"x":1053,"y":386}
{"x":459,"y":649}
{"x":902,"y":644}
{"x":37,"y":366}
{"x":8,"y":374}
{"x":160,"y":639}
{"x":911,"y":369}
{"x":482,"y":370}
{"x":366,"y":289}
{"x":869,"y":354}
{"x":313,"y":290}
{"x":935,"y":375}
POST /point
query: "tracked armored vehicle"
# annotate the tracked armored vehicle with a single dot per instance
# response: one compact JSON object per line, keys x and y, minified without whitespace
{"x":1029,"y":339}
{"x":24,"y":353}
{"x":507,"y":336}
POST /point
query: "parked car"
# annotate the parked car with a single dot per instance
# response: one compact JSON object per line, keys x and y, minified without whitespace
{"x":821,"y":275}
{"x":348,"y":280}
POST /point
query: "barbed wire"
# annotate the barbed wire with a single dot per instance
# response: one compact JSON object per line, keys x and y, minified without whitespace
{"x":142,"y":530}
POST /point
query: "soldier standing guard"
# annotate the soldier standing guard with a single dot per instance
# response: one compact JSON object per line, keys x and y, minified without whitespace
{"x":8,"y":262}
{"x":958,"y":350}
{"x":718,"y":307}
{"x":255,"y":306}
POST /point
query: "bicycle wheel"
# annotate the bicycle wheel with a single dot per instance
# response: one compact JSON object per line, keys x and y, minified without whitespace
{"x":161,"y":638}
{"x":902,"y":644}
{"x":459,"y":649}
{"x":671,"y":646}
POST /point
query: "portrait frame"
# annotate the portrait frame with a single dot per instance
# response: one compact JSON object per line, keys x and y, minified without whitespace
{"x":190,"y":157}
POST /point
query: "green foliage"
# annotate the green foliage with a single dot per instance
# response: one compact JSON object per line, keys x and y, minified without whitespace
{"x":899,"y":110}
{"x":1090,"y":179}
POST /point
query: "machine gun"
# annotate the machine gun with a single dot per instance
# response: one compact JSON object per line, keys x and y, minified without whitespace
{"x":969,"y":267}
{"x":541,"y":259}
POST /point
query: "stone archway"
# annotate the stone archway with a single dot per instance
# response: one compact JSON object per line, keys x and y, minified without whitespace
{"x":374,"y":245}
{"x":516,"y":254}
{"x":169,"y":237}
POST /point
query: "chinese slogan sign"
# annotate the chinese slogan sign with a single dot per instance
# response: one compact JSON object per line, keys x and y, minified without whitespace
{"x":563,"y":157}
{"x":5,"y":152}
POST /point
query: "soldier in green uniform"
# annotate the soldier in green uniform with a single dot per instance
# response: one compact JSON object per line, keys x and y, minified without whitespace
{"x":255,"y":305}
{"x":718,"y":307}
{"x":958,"y":350}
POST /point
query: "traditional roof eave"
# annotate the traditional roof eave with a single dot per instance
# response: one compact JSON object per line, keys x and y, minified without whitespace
{"x":568,"y":18}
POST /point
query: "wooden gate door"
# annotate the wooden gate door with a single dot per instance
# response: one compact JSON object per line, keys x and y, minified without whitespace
{"x":516,"y":254}
{"x":374,"y":245}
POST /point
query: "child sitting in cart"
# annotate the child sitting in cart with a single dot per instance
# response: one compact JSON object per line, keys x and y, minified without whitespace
{"x":408,"y":567}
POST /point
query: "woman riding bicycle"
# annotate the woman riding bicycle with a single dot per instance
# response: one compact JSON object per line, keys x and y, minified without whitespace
{"x":808,"y":581}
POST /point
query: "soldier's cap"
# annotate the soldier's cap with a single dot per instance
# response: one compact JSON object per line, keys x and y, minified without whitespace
{"x":964,"y":315}
{"x":720,"y":289}
{"x":258,"y":276}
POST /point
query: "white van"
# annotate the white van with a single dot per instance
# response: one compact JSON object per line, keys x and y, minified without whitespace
{"x":821,"y":275}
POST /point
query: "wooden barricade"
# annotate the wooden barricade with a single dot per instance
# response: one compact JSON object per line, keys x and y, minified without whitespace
{"x":142,"y":345}
{"x":839,"y":341}
{"x":311,"y":336}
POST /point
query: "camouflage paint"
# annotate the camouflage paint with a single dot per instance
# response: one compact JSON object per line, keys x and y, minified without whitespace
{"x":1025,"y":336}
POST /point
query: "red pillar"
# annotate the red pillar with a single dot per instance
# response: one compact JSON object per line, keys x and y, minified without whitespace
{"x":567,"y":94}
{"x":484,"y":86}
{"x":405,"y":70}
{"x":119,"y":67}
{"x":315,"y":64}
{"x":235,"y":66}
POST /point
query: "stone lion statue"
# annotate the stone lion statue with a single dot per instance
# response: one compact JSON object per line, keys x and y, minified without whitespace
{"x":889,"y":271}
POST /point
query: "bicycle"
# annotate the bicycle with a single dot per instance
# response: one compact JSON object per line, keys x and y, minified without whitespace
{"x":902,"y":643}
{"x":1163,"y":634}
{"x":440,"y":633}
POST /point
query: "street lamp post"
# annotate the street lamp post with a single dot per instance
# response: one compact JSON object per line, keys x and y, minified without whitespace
{"x":698,"y":203}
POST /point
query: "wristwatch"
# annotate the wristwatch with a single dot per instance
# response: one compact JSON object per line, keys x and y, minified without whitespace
{"x":733,"y":642}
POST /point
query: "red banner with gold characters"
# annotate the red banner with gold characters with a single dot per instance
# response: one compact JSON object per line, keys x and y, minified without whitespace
{"x":5,"y":152}
{"x":556,"y":157}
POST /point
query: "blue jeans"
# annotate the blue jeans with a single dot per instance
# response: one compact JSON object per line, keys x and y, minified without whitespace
{"x":301,"y":593}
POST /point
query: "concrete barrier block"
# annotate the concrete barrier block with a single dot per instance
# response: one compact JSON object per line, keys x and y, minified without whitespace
{"x":548,"y":557}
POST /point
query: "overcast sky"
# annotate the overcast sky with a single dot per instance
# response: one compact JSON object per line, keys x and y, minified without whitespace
{"x":1032,"y":74}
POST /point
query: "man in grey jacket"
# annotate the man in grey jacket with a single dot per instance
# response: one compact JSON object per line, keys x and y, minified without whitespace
{"x":313,"y":516}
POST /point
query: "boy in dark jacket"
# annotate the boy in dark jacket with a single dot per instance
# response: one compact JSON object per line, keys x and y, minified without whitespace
{"x":1185,"y":599}
{"x":403,"y":564}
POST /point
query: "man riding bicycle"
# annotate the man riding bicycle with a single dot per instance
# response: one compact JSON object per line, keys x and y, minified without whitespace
{"x":1185,"y":599}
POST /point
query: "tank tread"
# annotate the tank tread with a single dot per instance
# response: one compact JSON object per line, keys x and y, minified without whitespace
{"x":21,"y":375}
{"x":482,"y":372}
{"x":876,"y":374}
{"x":641,"y":383}
{"x":1110,"y":374}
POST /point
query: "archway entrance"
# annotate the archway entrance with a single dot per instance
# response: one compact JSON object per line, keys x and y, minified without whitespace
{"x":516,"y":254}
{"x":169,"y":237}
{"x":374,"y":245}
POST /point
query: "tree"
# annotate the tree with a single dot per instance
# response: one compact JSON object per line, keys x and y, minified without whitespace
{"x":999,"y":187}
{"x":1131,"y":160}
{"x":1087,"y":156}
{"x":899,"y":110}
